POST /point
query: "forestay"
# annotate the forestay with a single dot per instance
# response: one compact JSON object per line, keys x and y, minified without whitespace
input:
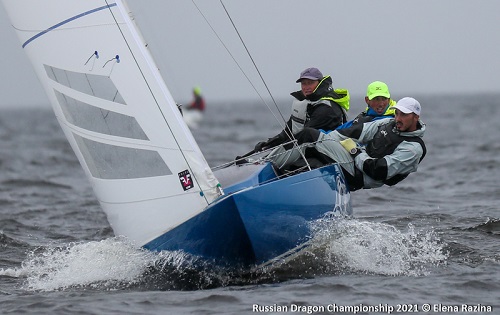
{"x":147,"y":171}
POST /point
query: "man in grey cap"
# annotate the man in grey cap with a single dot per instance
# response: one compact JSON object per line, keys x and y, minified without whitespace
{"x":316,"y":105}
{"x":371,"y":154}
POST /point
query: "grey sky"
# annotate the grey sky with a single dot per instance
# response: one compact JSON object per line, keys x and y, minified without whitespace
{"x":416,"y":47}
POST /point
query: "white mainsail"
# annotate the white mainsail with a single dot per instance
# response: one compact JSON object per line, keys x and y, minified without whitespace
{"x":144,"y":165}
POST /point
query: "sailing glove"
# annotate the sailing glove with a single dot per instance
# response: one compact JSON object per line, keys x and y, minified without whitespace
{"x":259,"y":146}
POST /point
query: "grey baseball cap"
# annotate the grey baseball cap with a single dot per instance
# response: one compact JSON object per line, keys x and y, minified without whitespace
{"x":311,"y":74}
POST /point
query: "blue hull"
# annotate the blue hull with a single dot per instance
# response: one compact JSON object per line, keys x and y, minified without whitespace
{"x":261,"y":217}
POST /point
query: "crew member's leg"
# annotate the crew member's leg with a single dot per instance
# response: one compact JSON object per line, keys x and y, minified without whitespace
{"x":329,"y":145}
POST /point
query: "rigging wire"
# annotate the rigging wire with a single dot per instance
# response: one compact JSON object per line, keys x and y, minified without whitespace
{"x":285,"y":127}
{"x":117,"y":58}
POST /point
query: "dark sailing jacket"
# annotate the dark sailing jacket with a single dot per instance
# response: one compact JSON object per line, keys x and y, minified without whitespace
{"x":390,"y":156}
{"x":326,"y":108}
{"x":198,"y":103}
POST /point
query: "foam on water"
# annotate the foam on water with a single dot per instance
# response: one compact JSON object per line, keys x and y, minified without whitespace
{"x":107,"y":263}
{"x":112,"y":264}
{"x":339,"y":246}
{"x":378,"y":248}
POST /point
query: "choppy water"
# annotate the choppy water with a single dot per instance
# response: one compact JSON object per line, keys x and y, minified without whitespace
{"x":434,"y":238}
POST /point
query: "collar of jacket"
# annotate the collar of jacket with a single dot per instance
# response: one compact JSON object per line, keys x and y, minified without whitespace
{"x":323,"y":89}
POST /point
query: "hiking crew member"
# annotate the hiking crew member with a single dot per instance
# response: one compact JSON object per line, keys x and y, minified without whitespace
{"x":380,"y":105}
{"x":317,"y":105}
{"x":371,"y":154}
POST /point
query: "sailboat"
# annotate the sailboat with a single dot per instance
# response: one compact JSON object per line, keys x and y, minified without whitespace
{"x":193,"y":114}
{"x":145,"y":167}
{"x":192,"y":117}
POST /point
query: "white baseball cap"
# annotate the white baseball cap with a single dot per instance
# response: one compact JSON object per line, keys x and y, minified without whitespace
{"x":408,"y":105}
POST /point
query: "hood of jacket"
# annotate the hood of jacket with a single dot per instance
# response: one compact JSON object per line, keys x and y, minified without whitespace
{"x":325,"y":91}
{"x":324,"y":88}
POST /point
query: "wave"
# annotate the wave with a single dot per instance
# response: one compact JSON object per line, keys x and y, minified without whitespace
{"x":355,"y":246}
{"x":491,"y":226}
{"x":110,"y":263}
{"x":22,"y":182}
{"x":338,"y":247}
